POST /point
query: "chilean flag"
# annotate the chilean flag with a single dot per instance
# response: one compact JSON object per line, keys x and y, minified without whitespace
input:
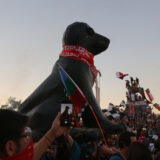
{"x":120,"y":75}
{"x":149,"y":94}
{"x":73,"y":91}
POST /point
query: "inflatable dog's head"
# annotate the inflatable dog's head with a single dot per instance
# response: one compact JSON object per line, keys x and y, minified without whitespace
{"x":83,"y":35}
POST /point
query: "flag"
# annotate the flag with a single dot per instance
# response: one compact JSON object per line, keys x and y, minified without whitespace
{"x":157,"y":106}
{"x":73,"y":91}
{"x":76,"y":96}
{"x":149,"y":94}
{"x":121,"y":75}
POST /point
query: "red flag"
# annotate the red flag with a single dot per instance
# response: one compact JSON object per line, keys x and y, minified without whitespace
{"x":121,"y":75}
{"x":149,"y":94}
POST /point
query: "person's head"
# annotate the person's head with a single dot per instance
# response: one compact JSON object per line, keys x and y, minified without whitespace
{"x":13,"y":138}
{"x":139,"y":151}
{"x":125,"y":139}
{"x":66,"y":109}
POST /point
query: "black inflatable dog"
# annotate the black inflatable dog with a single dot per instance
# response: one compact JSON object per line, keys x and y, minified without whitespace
{"x":81,"y":43}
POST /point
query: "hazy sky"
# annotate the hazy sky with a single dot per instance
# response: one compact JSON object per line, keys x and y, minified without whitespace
{"x":31,"y":35}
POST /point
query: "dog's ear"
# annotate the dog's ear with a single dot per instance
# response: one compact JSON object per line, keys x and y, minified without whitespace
{"x":77,"y":34}
{"x":71,"y":35}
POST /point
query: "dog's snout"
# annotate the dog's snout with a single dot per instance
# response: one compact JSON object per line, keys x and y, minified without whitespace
{"x":107,"y":40}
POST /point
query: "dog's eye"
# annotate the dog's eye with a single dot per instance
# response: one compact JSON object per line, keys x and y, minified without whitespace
{"x":90,"y":31}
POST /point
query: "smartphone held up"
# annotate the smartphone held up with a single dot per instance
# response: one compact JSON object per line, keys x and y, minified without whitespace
{"x":66,"y":118}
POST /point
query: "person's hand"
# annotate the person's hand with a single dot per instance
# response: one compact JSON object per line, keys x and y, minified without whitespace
{"x":56,"y":128}
{"x":69,"y":128}
{"x":47,"y":140}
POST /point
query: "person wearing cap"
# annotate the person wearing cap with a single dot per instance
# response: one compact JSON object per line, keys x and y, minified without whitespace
{"x":16,"y":138}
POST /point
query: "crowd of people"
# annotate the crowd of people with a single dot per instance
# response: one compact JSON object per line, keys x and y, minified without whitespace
{"x":141,"y":140}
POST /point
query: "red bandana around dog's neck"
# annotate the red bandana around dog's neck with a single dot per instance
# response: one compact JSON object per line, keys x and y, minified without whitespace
{"x":81,"y":54}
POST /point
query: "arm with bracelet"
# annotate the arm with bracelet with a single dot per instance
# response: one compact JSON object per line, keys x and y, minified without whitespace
{"x":46,"y":141}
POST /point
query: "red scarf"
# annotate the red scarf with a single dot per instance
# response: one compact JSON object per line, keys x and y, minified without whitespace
{"x":80,"y":54}
{"x":26,"y":154}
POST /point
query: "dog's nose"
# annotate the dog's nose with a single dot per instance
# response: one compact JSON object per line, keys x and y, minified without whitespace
{"x":107,"y":41}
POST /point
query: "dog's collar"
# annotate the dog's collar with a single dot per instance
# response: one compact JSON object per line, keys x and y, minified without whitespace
{"x":81,"y":54}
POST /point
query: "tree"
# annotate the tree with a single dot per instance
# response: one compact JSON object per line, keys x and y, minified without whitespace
{"x":12,"y":104}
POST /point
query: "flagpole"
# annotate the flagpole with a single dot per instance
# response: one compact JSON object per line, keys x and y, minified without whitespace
{"x":98,"y":124}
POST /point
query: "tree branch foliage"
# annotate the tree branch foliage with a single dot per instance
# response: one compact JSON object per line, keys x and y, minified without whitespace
{"x":12,"y":104}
